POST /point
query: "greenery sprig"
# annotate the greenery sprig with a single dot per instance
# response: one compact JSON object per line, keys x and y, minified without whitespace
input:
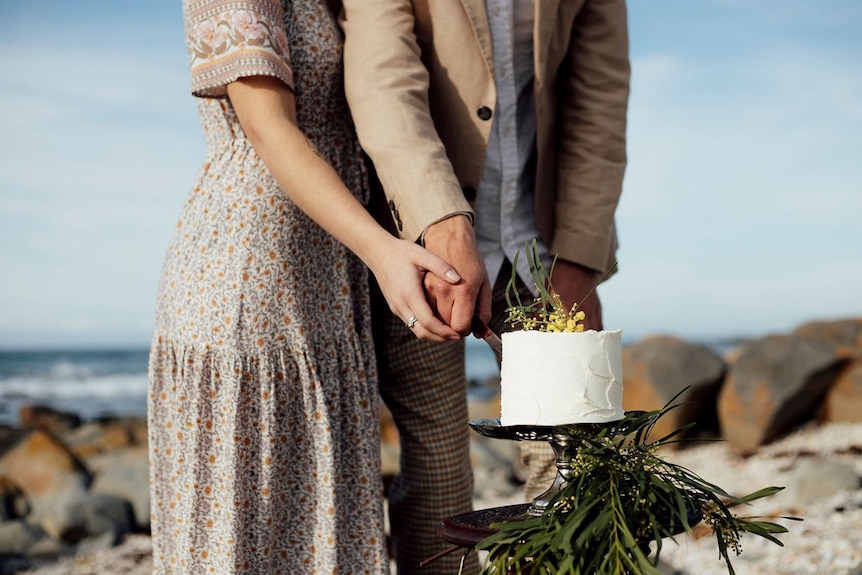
{"x":546,"y":312}
{"x":620,"y":497}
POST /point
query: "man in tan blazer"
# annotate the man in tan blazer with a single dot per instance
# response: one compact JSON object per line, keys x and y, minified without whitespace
{"x":430,"y":83}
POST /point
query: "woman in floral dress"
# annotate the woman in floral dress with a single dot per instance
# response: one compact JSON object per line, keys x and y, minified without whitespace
{"x":263,"y":403}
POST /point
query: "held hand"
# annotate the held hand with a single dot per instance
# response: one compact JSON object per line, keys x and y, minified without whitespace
{"x":455,"y":303}
{"x":400,"y":270}
{"x":572,"y":282}
{"x":266,"y":110}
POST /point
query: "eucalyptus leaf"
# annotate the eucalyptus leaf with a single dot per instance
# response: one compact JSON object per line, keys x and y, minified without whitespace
{"x":621,"y":497}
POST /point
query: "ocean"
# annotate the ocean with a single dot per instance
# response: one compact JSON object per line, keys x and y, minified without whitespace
{"x":92,"y":384}
{"x":102,"y":383}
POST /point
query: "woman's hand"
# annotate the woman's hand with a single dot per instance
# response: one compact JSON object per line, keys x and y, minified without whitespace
{"x":266,"y":110}
{"x":400,"y":267}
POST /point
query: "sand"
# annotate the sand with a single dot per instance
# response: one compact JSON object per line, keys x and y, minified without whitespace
{"x":826,"y":542}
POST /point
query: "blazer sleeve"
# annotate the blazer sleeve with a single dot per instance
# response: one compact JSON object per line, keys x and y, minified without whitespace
{"x":386,"y":83}
{"x":592,"y":142}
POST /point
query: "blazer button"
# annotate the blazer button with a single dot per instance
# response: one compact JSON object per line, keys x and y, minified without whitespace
{"x":469,"y":193}
{"x":484,"y":113}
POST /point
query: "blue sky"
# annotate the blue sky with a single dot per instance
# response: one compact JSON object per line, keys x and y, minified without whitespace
{"x":740,"y":213}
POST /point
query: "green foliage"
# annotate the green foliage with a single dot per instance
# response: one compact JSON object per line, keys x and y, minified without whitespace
{"x":545,"y":312}
{"x":620,"y":497}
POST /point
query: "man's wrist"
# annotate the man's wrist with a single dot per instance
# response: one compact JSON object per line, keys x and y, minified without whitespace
{"x":452,"y":223}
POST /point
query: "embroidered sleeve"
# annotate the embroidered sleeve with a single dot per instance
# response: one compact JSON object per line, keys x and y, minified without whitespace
{"x":231,"y":39}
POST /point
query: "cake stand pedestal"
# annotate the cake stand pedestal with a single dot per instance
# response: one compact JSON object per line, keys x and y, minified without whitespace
{"x":557,"y":436}
{"x":468,"y":529}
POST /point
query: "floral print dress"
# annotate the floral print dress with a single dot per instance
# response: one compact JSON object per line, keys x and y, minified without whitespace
{"x":263,"y":416}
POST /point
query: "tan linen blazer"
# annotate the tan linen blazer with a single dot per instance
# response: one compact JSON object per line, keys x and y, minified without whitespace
{"x":419,"y":80}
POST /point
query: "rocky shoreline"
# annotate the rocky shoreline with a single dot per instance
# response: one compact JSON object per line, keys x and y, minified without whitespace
{"x":74,"y":495}
{"x":822,"y":543}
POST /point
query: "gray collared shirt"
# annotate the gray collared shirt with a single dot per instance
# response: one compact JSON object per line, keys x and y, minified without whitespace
{"x":504,"y":206}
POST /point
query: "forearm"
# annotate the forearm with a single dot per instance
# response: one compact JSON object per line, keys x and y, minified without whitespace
{"x":387,"y":83}
{"x":266,"y":111}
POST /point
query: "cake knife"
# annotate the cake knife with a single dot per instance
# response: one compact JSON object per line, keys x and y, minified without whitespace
{"x":481,"y":330}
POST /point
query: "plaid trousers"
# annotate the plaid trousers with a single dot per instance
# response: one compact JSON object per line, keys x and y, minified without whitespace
{"x":424,"y":385}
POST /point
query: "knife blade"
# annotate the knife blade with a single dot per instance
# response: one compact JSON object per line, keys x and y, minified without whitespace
{"x":481,"y":330}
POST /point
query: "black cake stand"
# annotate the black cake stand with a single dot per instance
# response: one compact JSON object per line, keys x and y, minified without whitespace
{"x":468,"y":529}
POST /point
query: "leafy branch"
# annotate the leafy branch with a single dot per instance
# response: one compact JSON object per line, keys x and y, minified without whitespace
{"x":620,"y":497}
{"x":546,"y":312}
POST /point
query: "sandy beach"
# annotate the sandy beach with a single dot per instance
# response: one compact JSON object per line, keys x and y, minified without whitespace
{"x":825,"y":542}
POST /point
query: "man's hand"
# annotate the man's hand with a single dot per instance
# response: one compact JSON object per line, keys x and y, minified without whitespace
{"x":453,"y":240}
{"x":572,"y":282}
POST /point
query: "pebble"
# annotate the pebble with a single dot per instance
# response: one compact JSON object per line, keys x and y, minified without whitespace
{"x":825,"y":542}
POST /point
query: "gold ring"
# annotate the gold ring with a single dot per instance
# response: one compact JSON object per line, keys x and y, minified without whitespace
{"x":411,"y":322}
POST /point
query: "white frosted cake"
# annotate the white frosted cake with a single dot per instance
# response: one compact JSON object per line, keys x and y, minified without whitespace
{"x":559,"y":378}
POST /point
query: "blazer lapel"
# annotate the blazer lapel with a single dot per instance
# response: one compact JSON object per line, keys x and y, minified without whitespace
{"x":479,"y":19}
